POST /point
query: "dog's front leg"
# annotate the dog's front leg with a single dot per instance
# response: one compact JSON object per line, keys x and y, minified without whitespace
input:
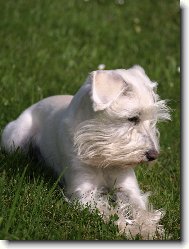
{"x":135,"y":215}
{"x":85,"y":193}
{"x":85,"y":187}
{"x":129,"y":190}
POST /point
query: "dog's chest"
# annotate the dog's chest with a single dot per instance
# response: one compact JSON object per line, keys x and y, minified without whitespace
{"x":106,"y":179}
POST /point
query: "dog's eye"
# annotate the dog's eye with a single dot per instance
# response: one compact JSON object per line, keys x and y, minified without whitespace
{"x":134,"y":120}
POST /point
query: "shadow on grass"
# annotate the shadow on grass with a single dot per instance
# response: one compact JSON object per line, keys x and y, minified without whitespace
{"x":16,"y":162}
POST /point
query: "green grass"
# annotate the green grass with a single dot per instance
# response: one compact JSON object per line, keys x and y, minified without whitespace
{"x":49,"y":47}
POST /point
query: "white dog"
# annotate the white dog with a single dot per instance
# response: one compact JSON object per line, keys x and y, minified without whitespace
{"x":97,"y":138}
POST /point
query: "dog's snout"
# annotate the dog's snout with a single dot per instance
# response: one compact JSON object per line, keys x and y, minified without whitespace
{"x":152,"y":155}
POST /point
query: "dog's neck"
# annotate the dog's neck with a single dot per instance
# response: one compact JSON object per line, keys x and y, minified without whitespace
{"x":81,"y":106}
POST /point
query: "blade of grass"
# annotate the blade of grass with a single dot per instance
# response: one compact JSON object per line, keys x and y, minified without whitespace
{"x":15,"y":201}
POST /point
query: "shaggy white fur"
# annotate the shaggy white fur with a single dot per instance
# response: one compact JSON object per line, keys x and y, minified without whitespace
{"x":97,"y":138}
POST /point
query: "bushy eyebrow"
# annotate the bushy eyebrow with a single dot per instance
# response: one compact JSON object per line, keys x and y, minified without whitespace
{"x":157,"y":111}
{"x":162,"y":110}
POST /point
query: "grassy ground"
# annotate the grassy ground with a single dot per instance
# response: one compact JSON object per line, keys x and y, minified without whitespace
{"x":49,"y":47}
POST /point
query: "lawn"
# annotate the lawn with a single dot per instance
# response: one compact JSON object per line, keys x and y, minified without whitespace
{"x":48,"y":48}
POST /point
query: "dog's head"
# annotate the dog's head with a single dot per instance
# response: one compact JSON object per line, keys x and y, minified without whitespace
{"x":123,"y":129}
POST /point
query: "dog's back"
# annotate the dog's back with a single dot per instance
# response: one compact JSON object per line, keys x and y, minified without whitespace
{"x":23,"y":131}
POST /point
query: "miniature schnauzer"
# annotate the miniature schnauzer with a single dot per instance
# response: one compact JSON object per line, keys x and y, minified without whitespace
{"x":97,"y":137}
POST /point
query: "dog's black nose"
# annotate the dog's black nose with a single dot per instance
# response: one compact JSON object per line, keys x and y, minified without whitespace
{"x":152,"y":155}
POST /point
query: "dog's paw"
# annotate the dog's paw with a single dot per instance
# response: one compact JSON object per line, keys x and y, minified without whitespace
{"x":144,"y":225}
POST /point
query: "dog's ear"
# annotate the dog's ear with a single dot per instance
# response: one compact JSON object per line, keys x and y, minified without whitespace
{"x":107,"y":85}
{"x":139,"y":69}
